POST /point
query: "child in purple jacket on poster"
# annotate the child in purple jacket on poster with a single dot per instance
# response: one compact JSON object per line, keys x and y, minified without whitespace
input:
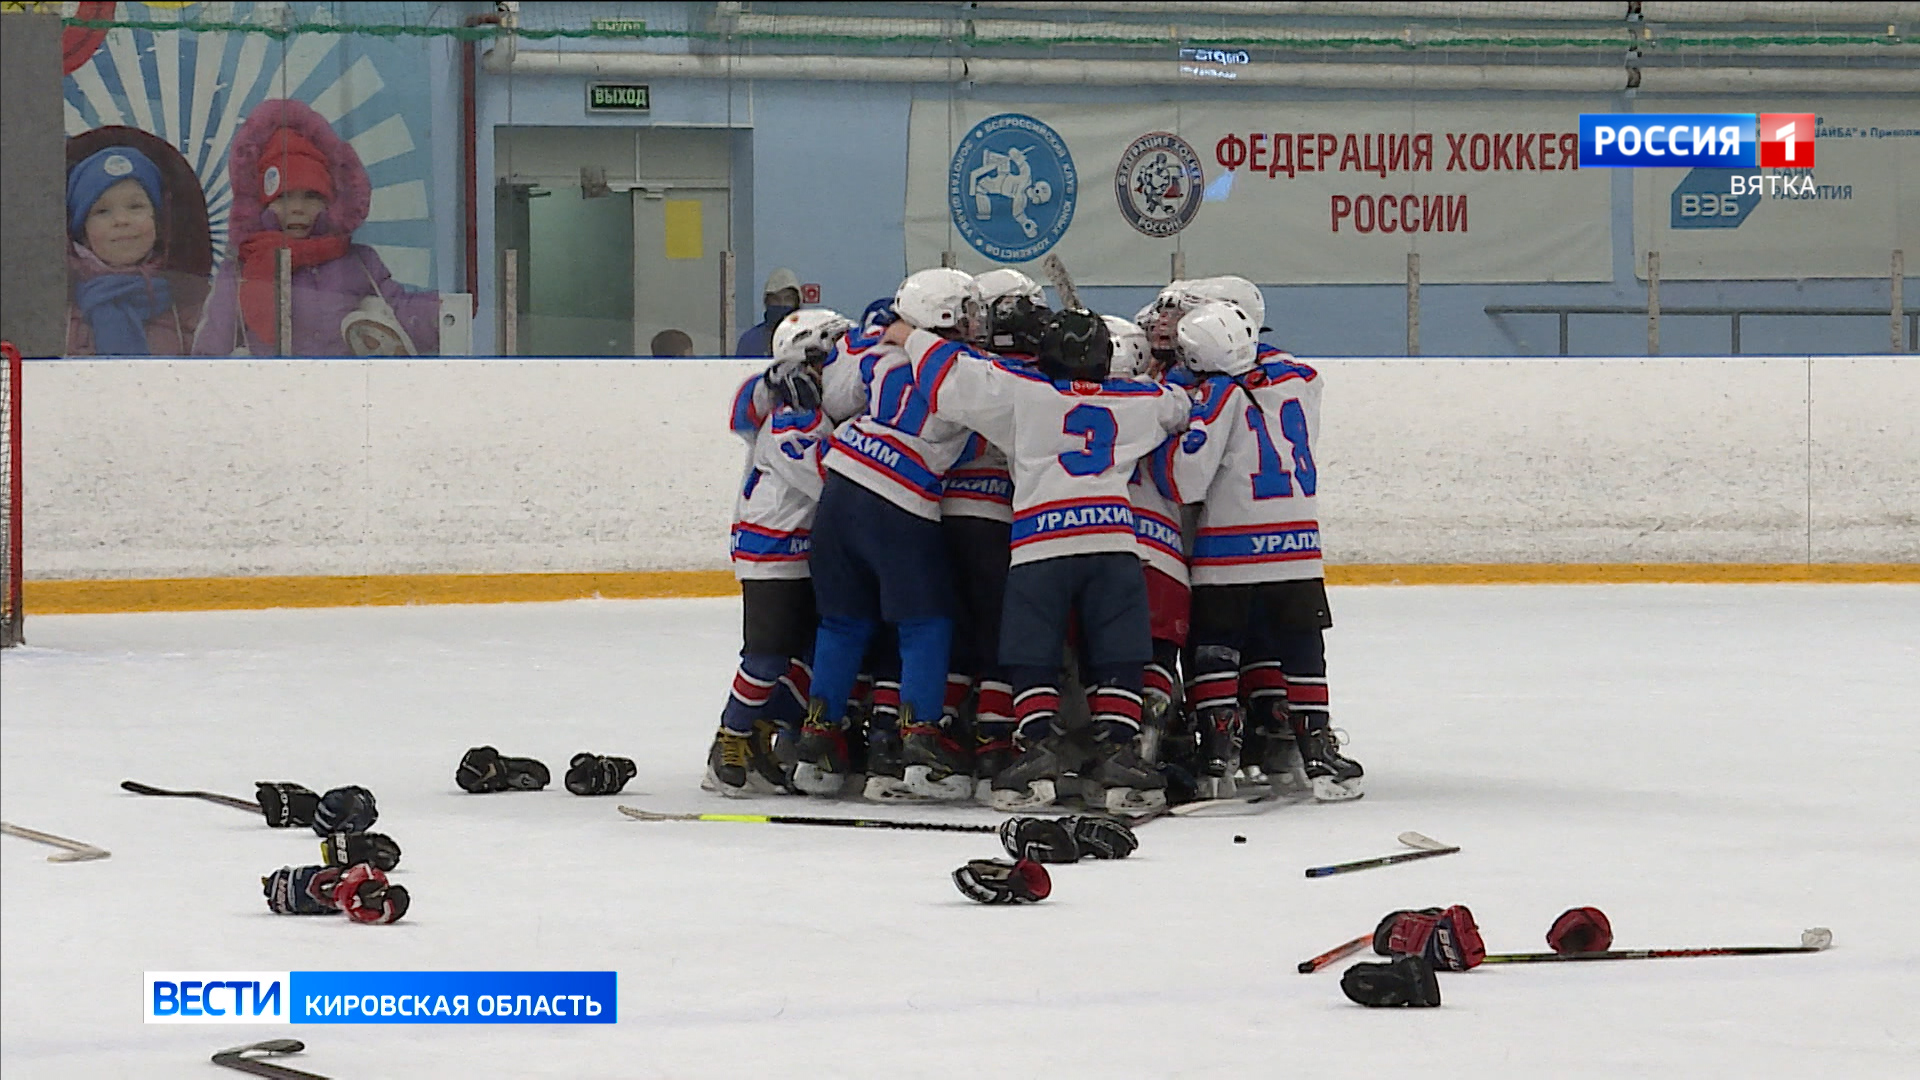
{"x":298,"y":185}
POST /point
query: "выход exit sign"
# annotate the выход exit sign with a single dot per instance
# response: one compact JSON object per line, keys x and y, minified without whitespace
{"x":617,"y":97}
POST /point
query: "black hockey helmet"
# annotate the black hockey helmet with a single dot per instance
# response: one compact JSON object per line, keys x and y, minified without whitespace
{"x":1015,"y":323}
{"x":1076,"y":345}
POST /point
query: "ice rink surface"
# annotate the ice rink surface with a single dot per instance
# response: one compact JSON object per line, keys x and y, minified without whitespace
{"x":1710,"y":765}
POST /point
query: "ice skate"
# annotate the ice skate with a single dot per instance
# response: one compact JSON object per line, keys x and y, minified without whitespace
{"x":886,"y":769}
{"x":992,"y":753}
{"x":1219,"y":756}
{"x":729,"y":769}
{"x":938,"y":766}
{"x":1129,"y":784}
{"x":823,"y":762}
{"x":1334,"y":778}
{"x":1031,"y":782}
{"x":1286,"y":774}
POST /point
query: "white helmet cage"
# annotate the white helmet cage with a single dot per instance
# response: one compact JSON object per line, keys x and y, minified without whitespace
{"x":809,"y":334}
{"x":1132,"y":356}
{"x":941,"y":299}
{"x":1218,"y":338}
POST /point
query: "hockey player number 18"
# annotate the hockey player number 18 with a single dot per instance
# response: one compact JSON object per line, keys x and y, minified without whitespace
{"x":1272,"y":481}
{"x":1094,"y":424}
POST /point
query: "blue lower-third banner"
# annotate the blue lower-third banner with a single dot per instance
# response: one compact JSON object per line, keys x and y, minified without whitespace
{"x":383,"y":997}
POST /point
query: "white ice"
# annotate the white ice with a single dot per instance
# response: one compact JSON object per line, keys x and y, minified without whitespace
{"x":1710,"y":765}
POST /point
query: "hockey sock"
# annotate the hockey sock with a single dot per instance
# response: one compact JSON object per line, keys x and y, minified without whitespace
{"x":959,"y":688}
{"x":789,"y":704}
{"x":1116,"y":712}
{"x":924,"y":648}
{"x":837,"y":651}
{"x":885,"y":714}
{"x":1302,"y":655}
{"x":1158,"y":676}
{"x":1213,"y":678}
{"x":754,"y":686}
{"x":1036,"y":703}
{"x":995,"y":703}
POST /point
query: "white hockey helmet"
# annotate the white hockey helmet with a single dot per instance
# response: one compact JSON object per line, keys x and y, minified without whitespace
{"x":1218,"y":338}
{"x":1159,"y":318}
{"x":1132,"y":357}
{"x":940,"y":299}
{"x":809,"y":334}
{"x":1006,"y":281}
{"x":1234,"y":290}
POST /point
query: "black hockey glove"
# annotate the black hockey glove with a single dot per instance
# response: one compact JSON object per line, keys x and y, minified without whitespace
{"x":1406,"y":981}
{"x":997,"y":881}
{"x":593,"y":774}
{"x":795,"y":384}
{"x":285,"y":804}
{"x":483,"y":771}
{"x":1101,"y":837}
{"x":301,"y":890}
{"x":346,"y":849}
{"x":1040,"y":839}
{"x":345,"y":810}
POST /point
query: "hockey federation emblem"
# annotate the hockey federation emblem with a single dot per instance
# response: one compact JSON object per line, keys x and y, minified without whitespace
{"x":1011,"y":188}
{"x":1159,"y":184}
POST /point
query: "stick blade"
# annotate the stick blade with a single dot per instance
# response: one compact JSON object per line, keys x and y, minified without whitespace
{"x":88,"y":855}
{"x":1422,"y":841}
{"x":1817,"y":938}
{"x":638,"y":814}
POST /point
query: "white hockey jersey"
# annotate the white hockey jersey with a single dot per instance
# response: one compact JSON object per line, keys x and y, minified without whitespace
{"x":979,"y":485}
{"x":773,"y":513}
{"x":1156,"y":523}
{"x":1072,"y":446}
{"x":1248,"y":460}
{"x":895,"y":447}
{"x":844,"y":381}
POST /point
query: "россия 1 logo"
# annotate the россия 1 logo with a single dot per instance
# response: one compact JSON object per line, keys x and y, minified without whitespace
{"x":1159,"y":184}
{"x":1011,"y":188}
{"x":1697,"y":140}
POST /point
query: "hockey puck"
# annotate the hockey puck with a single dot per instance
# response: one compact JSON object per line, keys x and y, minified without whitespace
{"x":1239,"y":839}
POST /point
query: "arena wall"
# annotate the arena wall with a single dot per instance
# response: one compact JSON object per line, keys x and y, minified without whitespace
{"x":239,"y":469}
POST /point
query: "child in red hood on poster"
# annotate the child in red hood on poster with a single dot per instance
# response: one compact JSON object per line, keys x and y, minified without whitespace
{"x":298,"y":185}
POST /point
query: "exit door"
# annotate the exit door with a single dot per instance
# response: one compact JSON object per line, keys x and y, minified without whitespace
{"x":679,"y":233}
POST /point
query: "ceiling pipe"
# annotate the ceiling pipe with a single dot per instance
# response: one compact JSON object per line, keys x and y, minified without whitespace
{"x":1823,"y":15}
{"x":1055,"y":72}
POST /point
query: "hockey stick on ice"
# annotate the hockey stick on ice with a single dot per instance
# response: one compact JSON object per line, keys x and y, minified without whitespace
{"x":1062,"y":282}
{"x":1308,"y":967}
{"x":1427,"y":848}
{"x":1813,"y":940}
{"x":139,"y":788}
{"x":791,"y":819}
{"x":75,"y":850}
{"x":235,"y":1057}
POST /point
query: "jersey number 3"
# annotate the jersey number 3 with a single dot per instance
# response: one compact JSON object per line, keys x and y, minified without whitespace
{"x":1272,"y":481}
{"x":1094,"y":424}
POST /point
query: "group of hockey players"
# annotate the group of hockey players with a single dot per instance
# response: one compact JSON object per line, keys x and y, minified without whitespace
{"x":989,"y":550}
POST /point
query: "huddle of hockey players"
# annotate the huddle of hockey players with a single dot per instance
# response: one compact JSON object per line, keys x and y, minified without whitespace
{"x":967,"y":514}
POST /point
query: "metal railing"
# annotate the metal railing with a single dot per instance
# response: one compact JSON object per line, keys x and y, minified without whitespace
{"x":1910,"y":318}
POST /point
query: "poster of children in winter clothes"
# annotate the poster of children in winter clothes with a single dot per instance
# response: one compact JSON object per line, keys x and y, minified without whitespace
{"x":195,"y":157}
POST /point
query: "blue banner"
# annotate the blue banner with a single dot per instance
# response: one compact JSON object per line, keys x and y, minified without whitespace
{"x":453,"y":997}
{"x":1668,"y":140}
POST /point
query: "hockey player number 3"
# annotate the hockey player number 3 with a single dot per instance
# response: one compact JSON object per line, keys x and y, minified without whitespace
{"x":1096,"y":426}
{"x":1272,"y":480}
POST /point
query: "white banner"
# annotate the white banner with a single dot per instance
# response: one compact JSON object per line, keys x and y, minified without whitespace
{"x":1294,"y":193}
{"x":1840,"y":218}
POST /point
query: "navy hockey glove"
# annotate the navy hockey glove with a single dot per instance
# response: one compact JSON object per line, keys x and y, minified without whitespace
{"x":593,"y":774}
{"x":1040,"y":839}
{"x":1101,"y":837}
{"x":285,"y":804}
{"x":345,"y":810}
{"x":1449,"y":941}
{"x":795,"y":384}
{"x":301,"y":890}
{"x":997,"y":881}
{"x":1406,"y":981}
{"x":366,"y":896}
{"x":1383,"y":933}
{"x":483,"y":771}
{"x":346,"y":849}
{"x":1581,"y":929}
